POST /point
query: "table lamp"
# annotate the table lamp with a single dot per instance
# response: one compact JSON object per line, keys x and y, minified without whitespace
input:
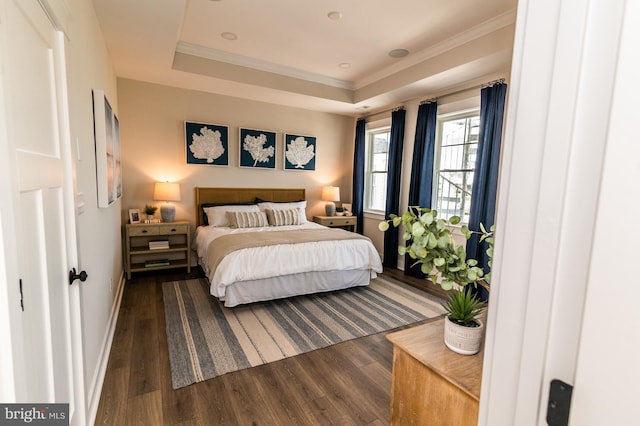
{"x":165,"y":191}
{"x":330,"y":194}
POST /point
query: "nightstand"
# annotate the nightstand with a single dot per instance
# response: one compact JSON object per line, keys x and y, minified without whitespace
{"x":152,"y":246}
{"x":346,"y":222}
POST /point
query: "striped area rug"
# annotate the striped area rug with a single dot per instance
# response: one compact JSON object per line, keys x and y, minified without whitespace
{"x":207,"y":339}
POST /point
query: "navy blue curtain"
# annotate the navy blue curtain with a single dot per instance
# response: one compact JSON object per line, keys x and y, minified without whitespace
{"x":422,"y":167}
{"x":358,"y":174}
{"x":485,"y":180}
{"x":394,"y":169}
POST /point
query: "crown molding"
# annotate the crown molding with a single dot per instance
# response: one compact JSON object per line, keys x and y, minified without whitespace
{"x":244,"y":61}
{"x":480,"y":30}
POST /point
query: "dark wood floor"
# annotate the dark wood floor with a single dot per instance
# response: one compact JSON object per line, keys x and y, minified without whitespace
{"x":345,"y":384}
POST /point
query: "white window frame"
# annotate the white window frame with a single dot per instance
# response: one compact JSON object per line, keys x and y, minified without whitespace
{"x":441,"y":119}
{"x":368,"y":181}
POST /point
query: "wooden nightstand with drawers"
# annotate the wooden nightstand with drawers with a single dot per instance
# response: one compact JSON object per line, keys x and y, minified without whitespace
{"x":346,"y":222}
{"x":152,"y":246}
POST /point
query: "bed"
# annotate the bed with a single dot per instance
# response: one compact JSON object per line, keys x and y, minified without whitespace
{"x":257,"y":244}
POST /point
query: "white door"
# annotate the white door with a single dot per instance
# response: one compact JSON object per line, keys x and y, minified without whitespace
{"x":46,"y":339}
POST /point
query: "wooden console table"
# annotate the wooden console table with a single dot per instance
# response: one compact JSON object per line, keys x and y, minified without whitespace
{"x":431,"y":385}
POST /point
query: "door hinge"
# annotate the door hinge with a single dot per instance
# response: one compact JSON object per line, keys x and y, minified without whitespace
{"x":559,"y":403}
{"x":21,"y":296}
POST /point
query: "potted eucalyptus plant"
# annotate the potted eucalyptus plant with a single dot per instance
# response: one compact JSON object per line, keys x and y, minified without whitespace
{"x":430,"y":244}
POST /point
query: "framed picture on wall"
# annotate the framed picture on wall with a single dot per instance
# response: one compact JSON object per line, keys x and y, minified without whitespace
{"x":206,"y":143}
{"x":257,"y":149}
{"x":107,"y":144}
{"x":299,"y":152}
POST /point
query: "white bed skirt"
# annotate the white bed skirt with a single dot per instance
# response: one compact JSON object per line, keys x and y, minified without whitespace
{"x":295,"y":284}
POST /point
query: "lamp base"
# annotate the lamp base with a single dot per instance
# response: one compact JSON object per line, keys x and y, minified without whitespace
{"x":168,"y":212}
{"x":330,"y":208}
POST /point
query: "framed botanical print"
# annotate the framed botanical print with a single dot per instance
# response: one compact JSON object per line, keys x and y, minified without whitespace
{"x":299,"y":152}
{"x":206,"y":143}
{"x":257,"y":149}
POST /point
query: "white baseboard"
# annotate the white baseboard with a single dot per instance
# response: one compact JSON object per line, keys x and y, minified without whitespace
{"x":93,"y":399}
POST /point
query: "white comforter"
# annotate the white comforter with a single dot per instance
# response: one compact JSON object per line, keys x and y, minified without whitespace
{"x":263,"y":262}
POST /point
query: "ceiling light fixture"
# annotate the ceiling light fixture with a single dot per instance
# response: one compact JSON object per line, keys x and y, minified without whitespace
{"x":398,"y":53}
{"x":345,"y":65}
{"x":229,"y":36}
{"x":335,"y":16}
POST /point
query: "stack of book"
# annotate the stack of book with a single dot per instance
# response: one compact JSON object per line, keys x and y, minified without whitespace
{"x":156,"y":262}
{"x":157,"y":245}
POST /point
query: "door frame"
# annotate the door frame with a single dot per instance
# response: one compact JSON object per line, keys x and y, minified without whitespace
{"x":562,"y":76}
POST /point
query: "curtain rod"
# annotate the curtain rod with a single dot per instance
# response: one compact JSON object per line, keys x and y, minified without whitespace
{"x":479,"y":86}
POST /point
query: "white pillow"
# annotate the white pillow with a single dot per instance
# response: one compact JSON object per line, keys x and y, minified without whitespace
{"x":217,"y":215}
{"x":301,"y":205}
{"x":247,"y":219}
{"x":283,"y":217}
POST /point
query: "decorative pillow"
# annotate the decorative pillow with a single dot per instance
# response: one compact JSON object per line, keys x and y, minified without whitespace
{"x":204,"y":207}
{"x":247,"y":219}
{"x":217,"y":215}
{"x":283,"y":217}
{"x":300,"y":205}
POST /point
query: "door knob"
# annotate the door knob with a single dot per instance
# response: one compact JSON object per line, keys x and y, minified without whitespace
{"x":82,"y":276}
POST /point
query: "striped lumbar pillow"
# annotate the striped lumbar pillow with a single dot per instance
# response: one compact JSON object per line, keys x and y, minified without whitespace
{"x":283,"y":217}
{"x":247,"y":219}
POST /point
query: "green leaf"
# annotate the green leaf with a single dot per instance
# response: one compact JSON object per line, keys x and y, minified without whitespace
{"x":417,"y":229}
{"x":383,"y":226}
{"x":482,"y":228}
{"x":432,"y":243}
{"x":420,"y":252}
{"x":397,"y":221}
{"x":454,"y":220}
{"x":402,"y":250}
{"x":446,"y":285}
{"x":439,"y":261}
{"x":444,"y":241}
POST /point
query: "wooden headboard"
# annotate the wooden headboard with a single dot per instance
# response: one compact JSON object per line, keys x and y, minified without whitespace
{"x":243,"y":195}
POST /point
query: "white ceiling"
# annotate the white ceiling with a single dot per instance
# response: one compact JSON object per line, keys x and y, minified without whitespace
{"x":289,"y":51}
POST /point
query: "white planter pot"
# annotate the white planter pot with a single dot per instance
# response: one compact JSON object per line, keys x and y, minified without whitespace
{"x":463,"y":340}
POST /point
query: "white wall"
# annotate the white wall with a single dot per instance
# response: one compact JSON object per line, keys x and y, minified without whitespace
{"x":154,"y":149}
{"x":99,"y":243}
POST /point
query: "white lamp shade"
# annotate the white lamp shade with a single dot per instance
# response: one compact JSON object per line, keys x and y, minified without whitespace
{"x":331,"y":193}
{"x":166,"y":191}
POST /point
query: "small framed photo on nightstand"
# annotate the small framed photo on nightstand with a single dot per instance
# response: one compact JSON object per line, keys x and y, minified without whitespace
{"x":134,"y":216}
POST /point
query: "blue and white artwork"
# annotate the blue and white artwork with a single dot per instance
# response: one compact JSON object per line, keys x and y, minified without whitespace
{"x":299,"y":152}
{"x":257,"y":149}
{"x":207,"y":143}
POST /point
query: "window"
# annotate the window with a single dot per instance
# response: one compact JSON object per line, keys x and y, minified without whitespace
{"x":377,"y":154}
{"x":457,"y":139}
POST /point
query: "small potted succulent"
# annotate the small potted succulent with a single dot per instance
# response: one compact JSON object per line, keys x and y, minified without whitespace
{"x":463,"y":330}
{"x":430,"y":244}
